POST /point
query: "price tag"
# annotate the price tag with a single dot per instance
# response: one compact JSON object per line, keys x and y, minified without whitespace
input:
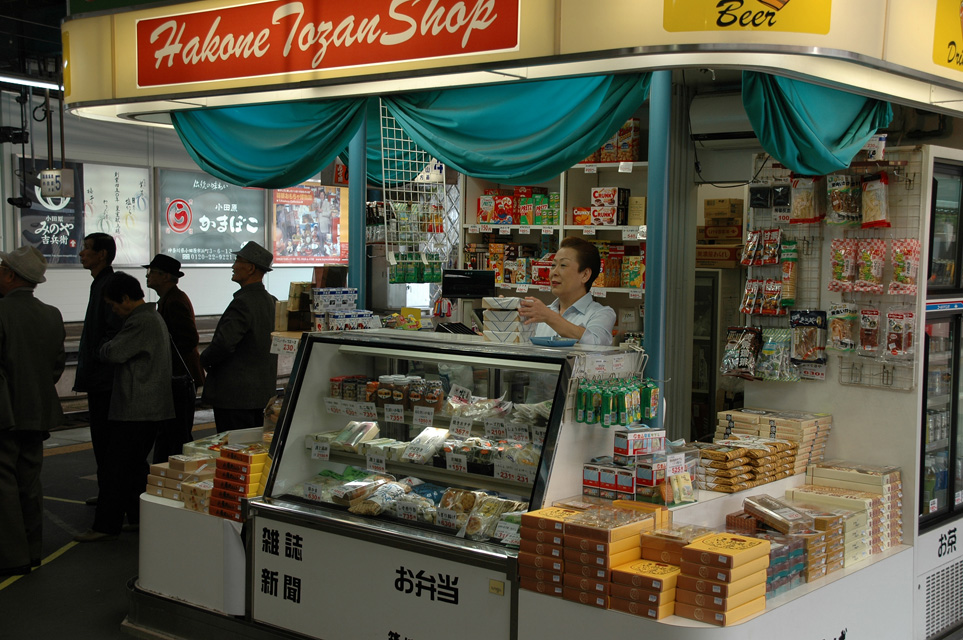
{"x":958,"y":500}
{"x":544,"y":287}
{"x":618,"y":363}
{"x":591,"y":168}
{"x":460,"y":428}
{"x":522,"y":288}
{"x":333,"y":405}
{"x":934,"y":505}
{"x":517,"y":432}
{"x":350,"y":409}
{"x":505,"y":470}
{"x":813,"y":372}
{"x":504,"y":231}
{"x":506,"y":531}
{"x":630,"y":234}
{"x":395,"y":413}
{"x":525,"y":475}
{"x":675,"y":464}
{"x":312,"y":491}
{"x":538,"y":435}
{"x":548,"y":231}
{"x":625,"y":167}
{"x":486,"y":228}
{"x":495,"y":429}
{"x":599,"y":293}
{"x":424,"y":416}
{"x":448,"y":518}
{"x":588,"y":230}
{"x":642,"y":232}
{"x":473,"y":228}
{"x":635,"y":294}
{"x":524,"y":230}
{"x":457,"y":462}
{"x":321,"y":451}
{"x":376,"y":462}
{"x":460,"y":393}
{"x":407,"y":511}
{"x":281,"y":346}
{"x":368,"y":410}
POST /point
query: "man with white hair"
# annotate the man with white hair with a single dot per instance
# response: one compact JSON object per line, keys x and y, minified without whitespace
{"x":32,"y":359}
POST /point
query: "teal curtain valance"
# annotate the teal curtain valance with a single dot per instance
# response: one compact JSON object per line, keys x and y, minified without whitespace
{"x":519,"y":133}
{"x":810,"y":129}
{"x":268,"y":145}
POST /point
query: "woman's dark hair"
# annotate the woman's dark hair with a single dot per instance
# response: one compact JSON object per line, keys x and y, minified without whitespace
{"x":103,"y":242}
{"x":122,"y":284}
{"x":586,"y":255}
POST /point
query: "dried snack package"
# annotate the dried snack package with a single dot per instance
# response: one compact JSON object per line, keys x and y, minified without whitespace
{"x":844,"y":199}
{"x":741,"y":350}
{"x":772,"y":298}
{"x":808,"y":199}
{"x":790,"y":272}
{"x":875,"y":207}
{"x":842,"y":260}
{"x":774,"y":355}
{"x":750,"y":296}
{"x":870,"y":260}
{"x":906,"y":266}
{"x":760,"y":197}
{"x":770,"y":246}
{"x":753,"y":240}
{"x":843,"y":322}
{"x":868,"y":331}
{"x":808,"y":337}
{"x":900,"y":329}
{"x":781,"y":195}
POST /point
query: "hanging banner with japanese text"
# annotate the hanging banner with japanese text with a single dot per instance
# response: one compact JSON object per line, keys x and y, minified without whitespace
{"x":203,"y":220}
{"x":117,"y":202}
{"x":310,"y":225}
{"x":54,"y":225}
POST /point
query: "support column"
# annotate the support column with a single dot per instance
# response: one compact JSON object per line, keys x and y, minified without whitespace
{"x":357,"y":197}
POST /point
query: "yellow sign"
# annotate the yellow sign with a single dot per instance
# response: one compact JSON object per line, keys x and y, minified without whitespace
{"x":497,"y":587}
{"x":793,"y":16}
{"x":948,"y":34}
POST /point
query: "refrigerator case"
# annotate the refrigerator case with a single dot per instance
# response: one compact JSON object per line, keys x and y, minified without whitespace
{"x":944,"y":275}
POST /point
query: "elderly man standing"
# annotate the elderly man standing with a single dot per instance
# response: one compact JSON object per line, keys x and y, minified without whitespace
{"x":163,"y":274}
{"x":241,"y":370}
{"x":31,"y":361}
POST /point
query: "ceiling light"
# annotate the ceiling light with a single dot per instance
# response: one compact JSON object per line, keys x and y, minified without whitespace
{"x":28,"y":82}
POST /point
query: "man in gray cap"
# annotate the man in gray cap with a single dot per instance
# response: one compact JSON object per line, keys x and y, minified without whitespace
{"x":32,"y":359}
{"x":241,"y":370}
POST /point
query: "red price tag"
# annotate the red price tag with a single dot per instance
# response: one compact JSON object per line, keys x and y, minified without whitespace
{"x":522,"y":288}
{"x":460,"y":428}
{"x":448,"y":519}
{"x":321,"y":451}
{"x":407,"y":511}
{"x":350,"y":409}
{"x":538,"y":435}
{"x":635,"y":294}
{"x":395,"y":413}
{"x":495,"y":429}
{"x":333,"y":405}
{"x":473,"y":228}
{"x":524,"y":230}
{"x":457,"y":462}
{"x":588,"y":231}
{"x":424,"y":416}
{"x":504,"y":231}
{"x":548,"y":231}
{"x":376,"y":462}
{"x":486,"y":228}
{"x":518,"y":432}
{"x":368,"y":410}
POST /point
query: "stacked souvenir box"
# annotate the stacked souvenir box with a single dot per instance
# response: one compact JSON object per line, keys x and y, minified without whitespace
{"x":502,"y":323}
{"x":810,"y":431}
{"x":521,"y":206}
{"x":742,"y":462}
{"x":197,"y":495}
{"x":644,"y":588}
{"x":541,"y":550}
{"x":723,"y":578}
{"x":237,"y":476}
{"x":166,"y":479}
{"x":595,"y":541}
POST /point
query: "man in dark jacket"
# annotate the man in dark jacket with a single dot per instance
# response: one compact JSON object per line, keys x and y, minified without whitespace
{"x":31,"y":361}
{"x":241,"y":370}
{"x":163,"y":274}
{"x":93,"y":376}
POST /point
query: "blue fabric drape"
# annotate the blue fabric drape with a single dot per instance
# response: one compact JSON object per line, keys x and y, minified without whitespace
{"x":522,"y":133}
{"x":268,"y":145}
{"x":810,"y":129}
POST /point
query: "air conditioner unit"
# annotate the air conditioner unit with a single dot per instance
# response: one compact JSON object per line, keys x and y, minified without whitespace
{"x":719,"y":121}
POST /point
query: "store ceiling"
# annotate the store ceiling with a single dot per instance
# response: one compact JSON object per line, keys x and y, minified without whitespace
{"x":30,"y":43}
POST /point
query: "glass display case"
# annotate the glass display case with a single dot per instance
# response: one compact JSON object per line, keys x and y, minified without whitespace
{"x":944,"y":275}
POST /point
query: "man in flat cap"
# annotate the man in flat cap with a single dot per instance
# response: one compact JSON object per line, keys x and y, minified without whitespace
{"x":32,"y":359}
{"x":241,"y":370}
{"x":173,"y":305}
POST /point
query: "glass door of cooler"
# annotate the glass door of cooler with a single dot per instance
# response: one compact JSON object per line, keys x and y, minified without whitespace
{"x":704,"y":347}
{"x":940,"y":485}
{"x":946,"y":251}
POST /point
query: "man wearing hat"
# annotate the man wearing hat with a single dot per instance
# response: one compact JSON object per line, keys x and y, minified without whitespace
{"x":32,"y":359}
{"x":173,"y":305}
{"x":241,"y":370}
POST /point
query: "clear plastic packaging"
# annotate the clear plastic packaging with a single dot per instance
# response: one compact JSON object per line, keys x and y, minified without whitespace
{"x":426,"y":444}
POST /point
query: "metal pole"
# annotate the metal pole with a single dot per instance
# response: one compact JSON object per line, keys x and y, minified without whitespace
{"x":660,"y":103}
{"x":357,"y":197}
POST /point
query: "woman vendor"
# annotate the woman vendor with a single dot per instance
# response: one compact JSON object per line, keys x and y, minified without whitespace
{"x":573,"y":314}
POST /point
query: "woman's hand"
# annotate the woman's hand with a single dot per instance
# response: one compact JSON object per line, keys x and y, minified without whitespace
{"x":534,"y":310}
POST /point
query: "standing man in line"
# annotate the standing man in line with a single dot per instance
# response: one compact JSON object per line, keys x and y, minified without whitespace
{"x":163,"y":274}
{"x":93,"y":376}
{"x":32,"y":359}
{"x":241,"y":370}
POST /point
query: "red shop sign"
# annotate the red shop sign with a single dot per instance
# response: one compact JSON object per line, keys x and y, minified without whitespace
{"x":279,"y":37}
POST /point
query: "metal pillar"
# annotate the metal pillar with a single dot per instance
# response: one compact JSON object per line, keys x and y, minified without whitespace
{"x":357,"y":197}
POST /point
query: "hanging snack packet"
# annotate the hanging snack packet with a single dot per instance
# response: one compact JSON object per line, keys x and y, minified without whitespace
{"x":868,"y":331}
{"x":900,"y":326}
{"x":741,"y":350}
{"x":749,"y":297}
{"x":906,"y":266}
{"x":842,"y":259}
{"x":808,"y":199}
{"x":772,"y":298}
{"x":843,"y":319}
{"x":753,"y":241}
{"x":870,"y":260}
{"x":875,"y":208}
{"x":808,"y":337}
{"x":790,"y":272}
{"x":844,"y":197}
{"x":773,"y":363}
{"x":770,"y":246}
